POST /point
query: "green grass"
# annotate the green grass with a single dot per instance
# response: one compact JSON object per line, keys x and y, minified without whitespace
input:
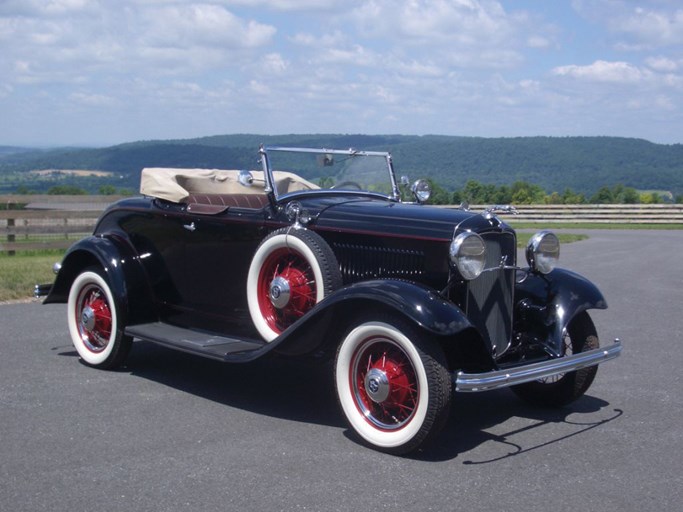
{"x":19,"y":273}
{"x":586,"y":225}
{"x":565,"y":238}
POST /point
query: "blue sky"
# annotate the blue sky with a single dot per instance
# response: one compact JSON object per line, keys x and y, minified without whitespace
{"x":100,"y":72}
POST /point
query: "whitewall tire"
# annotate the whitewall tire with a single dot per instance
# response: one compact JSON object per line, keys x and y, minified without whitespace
{"x":95,"y":323}
{"x":393,"y":387}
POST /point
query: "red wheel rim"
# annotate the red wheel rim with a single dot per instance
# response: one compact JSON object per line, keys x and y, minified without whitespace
{"x":384,"y":383}
{"x":290,"y":267}
{"x":93,"y":318}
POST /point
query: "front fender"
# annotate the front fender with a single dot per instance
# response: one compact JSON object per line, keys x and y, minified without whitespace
{"x":122,"y":269}
{"x":418,"y":303}
{"x":547,"y":303}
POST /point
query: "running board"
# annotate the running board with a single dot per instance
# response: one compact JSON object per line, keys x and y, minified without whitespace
{"x":200,"y":343}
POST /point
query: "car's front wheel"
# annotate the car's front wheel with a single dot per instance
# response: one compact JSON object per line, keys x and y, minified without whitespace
{"x":95,"y":322}
{"x":392,"y":384}
{"x":565,"y":388}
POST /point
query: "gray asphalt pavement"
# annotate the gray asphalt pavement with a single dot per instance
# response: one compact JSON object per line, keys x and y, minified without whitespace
{"x":174,"y":432}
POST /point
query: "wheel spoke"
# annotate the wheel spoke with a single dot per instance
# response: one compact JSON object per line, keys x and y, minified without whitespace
{"x":393,"y":407}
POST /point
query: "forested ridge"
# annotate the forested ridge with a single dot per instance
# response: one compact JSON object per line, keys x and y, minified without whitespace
{"x":582,"y":164}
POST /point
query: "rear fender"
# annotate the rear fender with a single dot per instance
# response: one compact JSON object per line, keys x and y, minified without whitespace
{"x":547,"y":303}
{"x":123,"y":272}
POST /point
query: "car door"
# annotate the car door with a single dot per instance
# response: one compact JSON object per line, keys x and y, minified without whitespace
{"x":217,"y":251}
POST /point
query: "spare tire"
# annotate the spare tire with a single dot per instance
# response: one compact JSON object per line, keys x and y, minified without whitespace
{"x":292,"y":270}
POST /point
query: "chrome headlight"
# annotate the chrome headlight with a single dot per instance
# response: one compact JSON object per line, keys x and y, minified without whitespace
{"x":543,"y":252}
{"x":468,"y":253}
{"x":422,"y":190}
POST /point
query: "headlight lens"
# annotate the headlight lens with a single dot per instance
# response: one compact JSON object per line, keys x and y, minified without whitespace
{"x":422,"y":190}
{"x":543,"y":252}
{"x":468,"y":253}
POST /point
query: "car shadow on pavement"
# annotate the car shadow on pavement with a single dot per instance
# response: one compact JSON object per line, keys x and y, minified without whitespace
{"x":499,"y":417}
{"x":292,"y":389}
{"x":303,"y":390}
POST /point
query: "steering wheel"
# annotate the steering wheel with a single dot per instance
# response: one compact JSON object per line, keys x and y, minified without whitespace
{"x":347,"y":184}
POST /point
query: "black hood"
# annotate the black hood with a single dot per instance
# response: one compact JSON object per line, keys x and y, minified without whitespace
{"x":399,"y":219}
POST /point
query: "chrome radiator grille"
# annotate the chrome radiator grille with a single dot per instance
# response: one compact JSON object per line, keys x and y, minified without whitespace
{"x":490,"y":296}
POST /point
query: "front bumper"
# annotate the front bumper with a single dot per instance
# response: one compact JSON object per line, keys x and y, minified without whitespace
{"x":472,"y":382}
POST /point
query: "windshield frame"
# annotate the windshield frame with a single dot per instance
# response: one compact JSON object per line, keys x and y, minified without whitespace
{"x":270,"y":180}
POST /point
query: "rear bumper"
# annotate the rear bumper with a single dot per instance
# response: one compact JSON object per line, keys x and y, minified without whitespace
{"x":41,"y":290}
{"x":472,"y":382}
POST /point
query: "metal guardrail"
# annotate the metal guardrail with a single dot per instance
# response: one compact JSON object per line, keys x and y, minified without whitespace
{"x":36,"y":222}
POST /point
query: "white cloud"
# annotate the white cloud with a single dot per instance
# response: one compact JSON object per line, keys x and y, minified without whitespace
{"x":274,"y":64}
{"x":92,"y":100}
{"x":536,"y":41}
{"x":662,"y":64}
{"x":647,"y":25}
{"x":651,"y":27}
{"x":355,"y":56}
{"x":295,"y":5}
{"x":603,"y":71}
{"x":312,"y":41}
{"x":202,"y":25}
{"x":44,"y":42}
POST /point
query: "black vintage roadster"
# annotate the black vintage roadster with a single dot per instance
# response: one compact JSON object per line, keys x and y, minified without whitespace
{"x":324,"y":253}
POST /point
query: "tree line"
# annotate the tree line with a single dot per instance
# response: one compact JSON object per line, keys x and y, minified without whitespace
{"x":522,"y":192}
{"x":473,"y":192}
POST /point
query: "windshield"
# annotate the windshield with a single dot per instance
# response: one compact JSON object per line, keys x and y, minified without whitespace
{"x":339,"y":170}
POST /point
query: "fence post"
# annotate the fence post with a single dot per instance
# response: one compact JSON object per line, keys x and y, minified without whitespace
{"x":11,"y":238}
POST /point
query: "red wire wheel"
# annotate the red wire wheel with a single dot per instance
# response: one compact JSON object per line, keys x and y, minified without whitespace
{"x":392,"y":383}
{"x":93,"y":318}
{"x":95,"y":323}
{"x":385,"y":387}
{"x":286,"y":288}
{"x":291,"y":271}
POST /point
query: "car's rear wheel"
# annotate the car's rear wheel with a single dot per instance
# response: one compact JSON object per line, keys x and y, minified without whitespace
{"x":95,"y":322}
{"x":565,"y":388}
{"x":292,"y":270}
{"x":392,"y":384}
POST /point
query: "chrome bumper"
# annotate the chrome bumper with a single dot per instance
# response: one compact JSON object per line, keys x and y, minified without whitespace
{"x":41,"y":290}
{"x":471,"y":382}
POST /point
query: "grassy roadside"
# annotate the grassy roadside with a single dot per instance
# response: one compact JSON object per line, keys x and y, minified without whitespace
{"x":565,"y":238}
{"x":19,"y":274}
{"x":578,"y":225}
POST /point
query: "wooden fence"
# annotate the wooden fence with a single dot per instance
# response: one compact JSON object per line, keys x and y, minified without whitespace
{"x":56,"y":222}
{"x":38,"y":222}
{"x":598,"y":213}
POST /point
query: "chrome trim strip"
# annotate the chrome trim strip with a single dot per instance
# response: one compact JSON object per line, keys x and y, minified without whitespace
{"x":473,"y":382}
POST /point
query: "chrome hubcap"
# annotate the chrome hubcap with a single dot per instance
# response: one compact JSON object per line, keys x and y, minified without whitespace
{"x":279,"y":292}
{"x":88,"y":318}
{"x":377,"y":385}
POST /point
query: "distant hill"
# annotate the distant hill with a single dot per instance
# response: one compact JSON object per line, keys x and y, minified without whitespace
{"x":583,"y":164}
